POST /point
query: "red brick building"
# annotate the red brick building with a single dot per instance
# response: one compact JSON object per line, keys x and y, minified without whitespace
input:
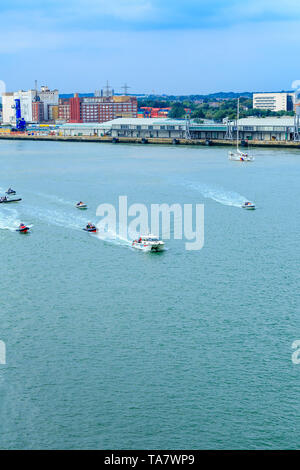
{"x":37,"y":111}
{"x":97,"y":108}
{"x":64,"y":110}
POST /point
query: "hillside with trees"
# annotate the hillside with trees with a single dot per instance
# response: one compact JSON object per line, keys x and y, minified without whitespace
{"x":209,"y":107}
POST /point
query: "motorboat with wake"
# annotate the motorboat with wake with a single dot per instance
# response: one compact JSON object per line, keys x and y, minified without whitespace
{"x":148,"y":243}
{"x":10,"y":191}
{"x":248,"y":205}
{"x":81,"y":205}
{"x":238,"y":155}
{"x":6,"y":200}
{"x":22,"y":228}
{"x":90,"y":228}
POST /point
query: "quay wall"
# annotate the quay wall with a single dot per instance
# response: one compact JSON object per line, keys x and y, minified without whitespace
{"x":138,"y":140}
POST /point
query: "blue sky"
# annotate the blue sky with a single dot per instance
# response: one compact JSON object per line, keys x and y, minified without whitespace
{"x":165,"y":46}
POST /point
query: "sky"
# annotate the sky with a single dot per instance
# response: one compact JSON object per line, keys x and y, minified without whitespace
{"x":155,"y":46}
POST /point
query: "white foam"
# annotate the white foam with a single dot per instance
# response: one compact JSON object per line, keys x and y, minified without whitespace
{"x":9,"y":219}
{"x":220,"y":195}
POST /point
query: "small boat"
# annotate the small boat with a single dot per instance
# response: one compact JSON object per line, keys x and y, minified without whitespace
{"x":81,"y":205}
{"x":239,"y":156}
{"x":5,"y":200}
{"x":10,"y":191}
{"x":248,"y":205}
{"x":148,"y":243}
{"x":90,"y":228}
{"x":22,"y":228}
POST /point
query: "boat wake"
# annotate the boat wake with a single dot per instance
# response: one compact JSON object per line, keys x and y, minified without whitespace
{"x":9,"y":219}
{"x":113,"y":238}
{"x":55,"y":199}
{"x":220,"y":195}
{"x":56,"y":217}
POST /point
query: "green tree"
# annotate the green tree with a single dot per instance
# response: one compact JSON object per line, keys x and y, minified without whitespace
{"x":177,"y":111}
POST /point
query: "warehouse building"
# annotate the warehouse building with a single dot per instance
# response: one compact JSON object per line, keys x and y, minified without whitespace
{"x":263,"y":129}
{"x":130,"y":127}
{"x":84,"y":129}
{"x":271,"y":128}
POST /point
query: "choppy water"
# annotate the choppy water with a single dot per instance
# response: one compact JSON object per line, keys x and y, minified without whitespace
{"x":116,"y":349}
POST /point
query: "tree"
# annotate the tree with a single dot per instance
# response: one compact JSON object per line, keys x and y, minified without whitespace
{"x":177,"y":111}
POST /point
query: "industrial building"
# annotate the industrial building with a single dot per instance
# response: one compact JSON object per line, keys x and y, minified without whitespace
{"x":261,"y":129}
{"x":8,"y":109}
{"x":35,"y":105}
{"x":97,"y":108}
{"x":84,"y":129}
{"x":273,"y":101}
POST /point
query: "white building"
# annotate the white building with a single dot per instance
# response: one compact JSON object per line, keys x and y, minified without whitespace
{"x":8,"y":109}
{"x":46,"y":96}
{"x":26,"y":98}
{"x":273,"y":101}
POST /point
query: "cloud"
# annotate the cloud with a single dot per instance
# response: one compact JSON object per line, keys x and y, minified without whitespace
{"x":178,"y":46}
{"x":145,"y":14}
{"x":173,"y":61}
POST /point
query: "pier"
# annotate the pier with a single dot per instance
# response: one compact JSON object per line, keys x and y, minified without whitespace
{"x":149,"y":140}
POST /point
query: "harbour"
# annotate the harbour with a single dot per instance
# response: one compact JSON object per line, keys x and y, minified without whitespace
{"x":91,"y":364}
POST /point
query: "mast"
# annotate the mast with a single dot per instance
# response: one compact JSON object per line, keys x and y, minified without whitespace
{"x":237,"y":124}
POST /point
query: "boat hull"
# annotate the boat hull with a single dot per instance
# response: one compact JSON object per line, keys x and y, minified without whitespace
{"x":10,"y":201}
{"x":239,"y":158}
{"x":154,"y":248}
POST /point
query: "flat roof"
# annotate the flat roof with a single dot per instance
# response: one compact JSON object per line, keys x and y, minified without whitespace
{"x":285,"y":121}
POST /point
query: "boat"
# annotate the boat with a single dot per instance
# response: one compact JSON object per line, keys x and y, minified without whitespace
{"x":22,"y":228}
{"x":90,"y":228}
{"x":248,"y":205}
{"x":238,"y":155}
{"x":10,"y":191}
{"x":148,"y":243}
{"x":5,"y":200}
{"x":81,"y":205}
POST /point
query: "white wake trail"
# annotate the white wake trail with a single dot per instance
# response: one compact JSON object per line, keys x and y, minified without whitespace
{"x":220,"y":195}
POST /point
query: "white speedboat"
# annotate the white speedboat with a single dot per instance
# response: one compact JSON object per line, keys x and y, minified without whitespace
{"x":81,"y":205}
{"x":148,"y":243}
{"x":248,"y":205}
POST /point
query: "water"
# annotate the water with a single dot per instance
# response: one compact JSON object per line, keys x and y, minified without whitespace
{"x":116,"y":349}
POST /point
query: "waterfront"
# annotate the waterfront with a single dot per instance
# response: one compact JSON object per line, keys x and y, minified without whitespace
{"x":109,"y":348}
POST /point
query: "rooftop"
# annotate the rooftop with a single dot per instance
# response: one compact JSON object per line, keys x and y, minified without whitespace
{"x":284,"y":121}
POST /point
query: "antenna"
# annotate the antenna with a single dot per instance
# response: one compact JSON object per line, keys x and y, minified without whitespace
{"x":107,"y":89}
{"x":36,"y":89}
{"x":125,"y":87}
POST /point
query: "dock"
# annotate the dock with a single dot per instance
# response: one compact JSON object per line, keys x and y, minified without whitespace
{"x":149,"y":140}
